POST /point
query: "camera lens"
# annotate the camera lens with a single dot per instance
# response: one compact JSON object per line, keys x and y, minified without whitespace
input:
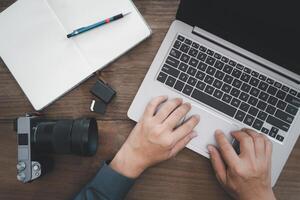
{"x":66,"y":137}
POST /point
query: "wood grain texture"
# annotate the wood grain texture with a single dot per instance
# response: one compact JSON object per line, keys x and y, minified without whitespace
{"x":187,"y":176}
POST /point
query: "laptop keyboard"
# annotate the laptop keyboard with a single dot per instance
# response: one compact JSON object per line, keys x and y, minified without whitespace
{"x":230,"y":87}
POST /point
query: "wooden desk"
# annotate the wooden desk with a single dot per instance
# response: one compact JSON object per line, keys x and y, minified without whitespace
{"x":186,"y":177}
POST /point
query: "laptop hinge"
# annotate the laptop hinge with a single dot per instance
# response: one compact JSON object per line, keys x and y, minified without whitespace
{"x":199,"y":32}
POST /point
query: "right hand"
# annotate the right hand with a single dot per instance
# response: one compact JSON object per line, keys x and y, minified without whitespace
{"x":245,"y":176}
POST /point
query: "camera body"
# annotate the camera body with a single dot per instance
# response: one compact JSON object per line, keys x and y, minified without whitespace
{"x":38,"y":137}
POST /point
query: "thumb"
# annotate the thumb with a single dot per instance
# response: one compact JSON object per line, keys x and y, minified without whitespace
{"x":217,"y":164}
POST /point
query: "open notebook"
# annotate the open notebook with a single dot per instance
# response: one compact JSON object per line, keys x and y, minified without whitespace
{"x":45,"y":63}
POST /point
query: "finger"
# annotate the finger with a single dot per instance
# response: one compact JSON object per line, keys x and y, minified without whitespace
{"x":268,"y":149}
{"x":182,"y":143}
{"x":185,"y":128}
{"x":246,"y":143}
{"x":227,"y":152}
{"x":173,"y":120}
{"x":217,"y":163}
{"x":153,"y":104}
{"x":259,"y":143}
{"x":167,"y":108}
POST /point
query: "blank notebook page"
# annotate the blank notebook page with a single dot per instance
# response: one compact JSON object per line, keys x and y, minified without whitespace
{"x":103,"y":44}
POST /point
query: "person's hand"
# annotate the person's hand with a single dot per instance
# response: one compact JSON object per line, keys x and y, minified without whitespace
{"x":245,"y":176}
{"x":156,"y":137}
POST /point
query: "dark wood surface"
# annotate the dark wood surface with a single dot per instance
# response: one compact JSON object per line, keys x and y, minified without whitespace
{"x":187,"y":176}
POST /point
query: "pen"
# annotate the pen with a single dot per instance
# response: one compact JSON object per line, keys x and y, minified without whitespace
{"x":98,"y":24}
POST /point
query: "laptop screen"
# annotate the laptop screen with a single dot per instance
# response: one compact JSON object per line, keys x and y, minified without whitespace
{"x":270,"y":29}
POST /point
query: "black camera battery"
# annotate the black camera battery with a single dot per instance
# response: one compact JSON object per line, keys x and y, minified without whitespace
{"x":103,"y":91}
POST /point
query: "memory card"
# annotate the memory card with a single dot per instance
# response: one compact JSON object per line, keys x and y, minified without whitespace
{"x":103,"y":91}
{"x":98,"y":107}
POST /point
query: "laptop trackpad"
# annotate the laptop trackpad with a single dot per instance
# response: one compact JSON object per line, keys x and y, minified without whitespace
{"x":209,"y":123}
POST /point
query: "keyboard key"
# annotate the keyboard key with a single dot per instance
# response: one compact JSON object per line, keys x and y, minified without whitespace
{"x":202,"y":56}
{"x":263,"y":96}
{"x":179,"y":85}
{"x":228,"y":79}
{"x":192,"y":81}
{"x":273,"y":132}
{"x":278,"y":123}
{"x":226,"y":98}
{"x":272,"y":101}
{"x":293,"y":92}
{"x":247,"y":70}
{"x":293,"y":100}
{"x":185,"y":58}
{"x":281,"y":105}
{"x":172,"y":61}
{"x":208,"y":79}
{"x":185,"y":48}
{"x":210,"y":60}
{"x":195,"y":45}
{"x":226,"y":88}
{"x":183,"y":76}
{"x":162,"y":77}
{"x":170,"y":70}
{"x":210,"y":70}
{"x":235,"y":102}
{"x":170,"y":81}
{"x":253,"y":111}
{"x":228,"y":69}
{"x":254,"y":73}
{"x":191,"y":71}
{"x":265,"y":130}
{"x":187,"y":90}
{"x":188,"y":42}
{"x":249,"y":120}
{"x":180,"y":38}
{"x":281,"y":94}
{"x":244,"y":96}
{"x":217,"y":83}
{"x":240,"y":115}
{"x":175,"y":53}
{"x":214,"y":103}
{"x":258,"y":124}
{"x":270,"y":109}
{"x":254,"y":82}
{"x":219,"y":65}
{"x":217,"y":56}
{"x":245,"y":87}
{"x":240,"y":67}
{"x":200,"y":85}
{"x":262,"y":115}
{"x":235,"y":92}
{"x":202,"y":48}
{"x":279,"y":138}
{"x":209,"y":89}
{"x":284,"y":116}
{"x":262,"y":77}
{"x":252,"y":101}
{"x":177,"y":44}
{"x":261,"y":105}
{"x":244,"y":107}
{"x":219,"y":75}
{"x":218,"y":94}
{"x":193,"y":52}
{"x":270,"y":81}
{"x":237,"y":83}
{"x":232,"y":63}
{"x":298,"y":95}
{"x":285,"y":88}
{"x":254,"y":92}
{"x":263,"y":86}
{"x":272,"y":90}
{"x":183,"y":67}
{"x":200,"y":75}
{"x":224,"y":59}
{"x":245,"y":77}
{"x":210,"y":52}
{"x":291,"y":110}
{"x":193,"y":62}
{"x":202,"y":66}
{"x":278,"y":85}
{"x":236,"y":73}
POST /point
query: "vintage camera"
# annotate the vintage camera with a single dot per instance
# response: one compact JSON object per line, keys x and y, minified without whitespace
{"x":39,"y":137}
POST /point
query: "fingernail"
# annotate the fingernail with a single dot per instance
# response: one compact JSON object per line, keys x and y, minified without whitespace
{"x":210,"y":148}
{"x":194,"y":134}
{"x":218,"y":132}
{"x":197,"y":117}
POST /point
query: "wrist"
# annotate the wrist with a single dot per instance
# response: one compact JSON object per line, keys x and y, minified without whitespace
{"x":263,"y":194}
{"x":126,"y":163}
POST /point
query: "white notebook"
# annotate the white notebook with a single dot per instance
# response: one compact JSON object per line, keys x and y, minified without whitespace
{"x":45,"y":63}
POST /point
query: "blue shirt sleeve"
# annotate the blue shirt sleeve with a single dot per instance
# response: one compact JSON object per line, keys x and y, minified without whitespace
{"x":106,"y":185}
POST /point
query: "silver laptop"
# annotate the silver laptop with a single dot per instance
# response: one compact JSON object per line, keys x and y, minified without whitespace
{"x":237,"y":63}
